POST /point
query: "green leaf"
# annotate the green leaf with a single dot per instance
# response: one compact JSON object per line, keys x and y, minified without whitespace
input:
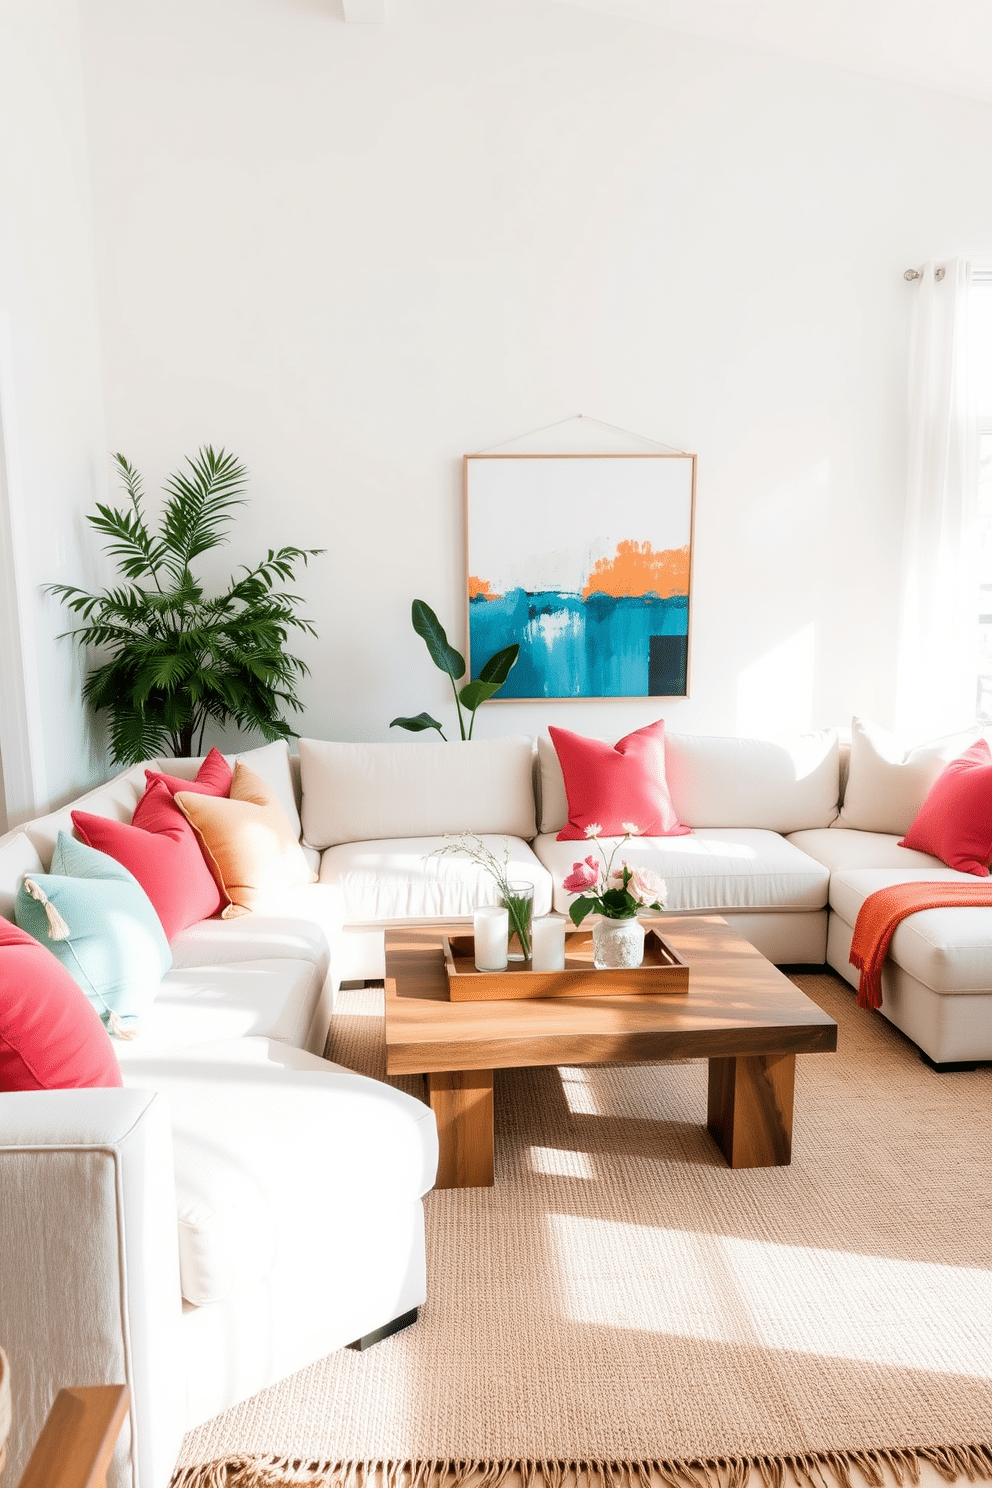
{"x":418,"y":724}
{"x":475,"y":693}
{"x":497,"y":668}
{"x":580,"y":907}
{"x":442,"y":653}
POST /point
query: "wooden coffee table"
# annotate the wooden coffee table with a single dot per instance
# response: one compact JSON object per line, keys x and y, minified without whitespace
{"x":740,"y":1013}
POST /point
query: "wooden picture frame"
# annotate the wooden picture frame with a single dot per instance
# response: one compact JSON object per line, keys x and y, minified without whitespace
{"x":586,"y":562}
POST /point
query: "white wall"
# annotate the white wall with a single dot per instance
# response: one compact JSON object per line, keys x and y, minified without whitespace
{"x":52,"y":440}
{"x":352,"y":254}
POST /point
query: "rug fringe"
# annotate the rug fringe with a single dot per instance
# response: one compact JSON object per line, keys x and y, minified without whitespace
{"x":811,"y":1470}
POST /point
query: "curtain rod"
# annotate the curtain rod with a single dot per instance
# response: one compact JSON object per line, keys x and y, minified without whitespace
{"x":938,"y":273}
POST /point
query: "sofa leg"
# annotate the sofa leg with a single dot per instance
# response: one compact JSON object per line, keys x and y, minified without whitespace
{"x":952,"y":1068}
{"x":386,"y":1331}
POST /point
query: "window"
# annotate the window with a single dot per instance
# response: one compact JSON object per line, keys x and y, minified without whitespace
{"x":981,"y":343}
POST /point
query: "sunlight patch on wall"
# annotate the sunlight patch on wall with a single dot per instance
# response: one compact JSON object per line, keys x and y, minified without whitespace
{"x":775,"y":693}
{"x":907,"y":1314}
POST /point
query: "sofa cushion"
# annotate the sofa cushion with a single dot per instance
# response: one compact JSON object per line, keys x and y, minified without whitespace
{"x":18,"y":855}
{"x":948,"y":950}
{"x":838,"y":848}
{"x":373,"y":792}
{"x":955,"y":821}
{"x":258,"y":1124}
{"x":266,"y":997}
{"x":248,"y":839}
{"x":399,"y":879}
{"x":299,"y":924}
{"x":780,"y":785}
{"x":116,"y":799}
{"x":615,"y":788}
{"x":160,"y":848}
{"x":738,"y":869}
{"x":98,"y":920}
{"x":50,"y":1035}
{"x":888,"y":783}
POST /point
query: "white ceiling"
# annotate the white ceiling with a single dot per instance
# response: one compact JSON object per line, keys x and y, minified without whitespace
{"x":941,"y":44}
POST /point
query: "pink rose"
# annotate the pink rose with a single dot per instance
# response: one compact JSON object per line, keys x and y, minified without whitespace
{"x":583,"y":876}
{"x":615,"y":880}
{"x":648,"y":887}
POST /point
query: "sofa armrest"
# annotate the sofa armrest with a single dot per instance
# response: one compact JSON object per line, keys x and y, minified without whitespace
{"x":90,"y":1284}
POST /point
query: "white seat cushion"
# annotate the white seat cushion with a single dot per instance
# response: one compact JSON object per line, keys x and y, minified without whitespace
{"x":948,"y":950}
{"x":274,"y":1148}
{"x":275,"y":999}
{"x":399,"y":879}
{"x":838,"y":848}
{"x":711,"y":870}
{"x":298,"y":923}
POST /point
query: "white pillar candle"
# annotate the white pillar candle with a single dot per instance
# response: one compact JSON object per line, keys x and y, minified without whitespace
{"x":548,"y":944}
{"x":491,"y":926}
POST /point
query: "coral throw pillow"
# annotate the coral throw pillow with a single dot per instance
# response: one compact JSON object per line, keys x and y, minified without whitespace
{"x":616,"y":786}
{"x":249,"y":839}
{"x":213,"y":778}
{"x":50,"y":1036}
{"x":955,"y":821}
{"x":160,"y":849}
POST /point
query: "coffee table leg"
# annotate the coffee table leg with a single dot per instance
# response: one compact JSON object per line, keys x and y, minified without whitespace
{"x":462,"y":1101}
{"x":750,"y":1108}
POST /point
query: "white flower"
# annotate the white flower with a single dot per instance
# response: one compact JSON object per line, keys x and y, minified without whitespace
{"x":593,"y":829}
{"x":631,"y":828}
{"x":648,"y":887}
{"x":615,"y":879}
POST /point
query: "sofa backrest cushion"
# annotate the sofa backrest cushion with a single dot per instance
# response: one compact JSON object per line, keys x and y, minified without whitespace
{"x":367,"y":792}
{"x":116,"y":798}
{"x":50,"y":1035}
{"x":780,"y":785}
{"x":888,"y":783}
{"x":18,"y":855}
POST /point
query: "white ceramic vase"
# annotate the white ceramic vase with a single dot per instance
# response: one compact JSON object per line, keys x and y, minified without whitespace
{"x":617,"y":943}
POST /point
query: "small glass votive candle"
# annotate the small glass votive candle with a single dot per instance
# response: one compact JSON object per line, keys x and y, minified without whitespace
{"x":490,"y":926}
{"x":548,"y":943}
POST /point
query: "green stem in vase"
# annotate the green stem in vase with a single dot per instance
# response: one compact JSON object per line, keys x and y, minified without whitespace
{"x":518,"y":907}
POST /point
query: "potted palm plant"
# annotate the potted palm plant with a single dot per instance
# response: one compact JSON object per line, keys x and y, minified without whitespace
{"x":172,"y":659}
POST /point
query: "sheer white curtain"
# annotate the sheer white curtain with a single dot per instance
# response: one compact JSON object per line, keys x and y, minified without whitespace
{"x":938,"y":637}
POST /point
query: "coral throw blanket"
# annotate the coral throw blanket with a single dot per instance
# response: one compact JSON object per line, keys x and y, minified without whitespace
{"x":883,"y":911}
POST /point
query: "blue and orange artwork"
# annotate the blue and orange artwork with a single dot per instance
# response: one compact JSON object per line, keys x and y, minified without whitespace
{"x":585,"y":562}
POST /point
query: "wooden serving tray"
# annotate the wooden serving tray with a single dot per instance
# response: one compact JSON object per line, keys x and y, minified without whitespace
{"x":662,"y":970}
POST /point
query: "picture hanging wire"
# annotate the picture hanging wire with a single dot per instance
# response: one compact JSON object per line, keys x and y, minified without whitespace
{"x":600,"y":423}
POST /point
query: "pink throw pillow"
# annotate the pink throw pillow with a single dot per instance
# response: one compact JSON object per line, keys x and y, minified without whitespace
{"x":213,"y":778}
{"x":51,"y":1037}
{"x":608,"y":785}
{"x":160,"y":849}
{"x":955,"y":821}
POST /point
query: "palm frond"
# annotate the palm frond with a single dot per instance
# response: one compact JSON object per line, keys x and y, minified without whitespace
{"x":201,"y":505}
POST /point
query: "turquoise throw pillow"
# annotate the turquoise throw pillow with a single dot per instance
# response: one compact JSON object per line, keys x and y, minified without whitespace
{"x":97,"y":919}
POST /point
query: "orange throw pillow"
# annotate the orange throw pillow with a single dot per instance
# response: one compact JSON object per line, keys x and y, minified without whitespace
{"x":248,"y":839}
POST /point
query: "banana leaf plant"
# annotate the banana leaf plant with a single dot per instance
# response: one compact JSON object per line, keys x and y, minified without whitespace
{"x":448,"y":660}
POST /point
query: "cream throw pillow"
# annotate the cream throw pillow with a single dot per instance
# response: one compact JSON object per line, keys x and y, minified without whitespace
{"x":886,"y":783}
{"x":247,"y":839}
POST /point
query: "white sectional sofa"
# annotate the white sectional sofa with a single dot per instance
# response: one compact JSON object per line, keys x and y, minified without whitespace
{"x":154,"y":1233}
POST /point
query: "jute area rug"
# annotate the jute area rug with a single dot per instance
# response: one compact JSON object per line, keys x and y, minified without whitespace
{"x":623,"y":1309}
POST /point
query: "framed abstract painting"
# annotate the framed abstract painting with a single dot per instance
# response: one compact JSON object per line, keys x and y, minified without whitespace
{"x":586,"y":562}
